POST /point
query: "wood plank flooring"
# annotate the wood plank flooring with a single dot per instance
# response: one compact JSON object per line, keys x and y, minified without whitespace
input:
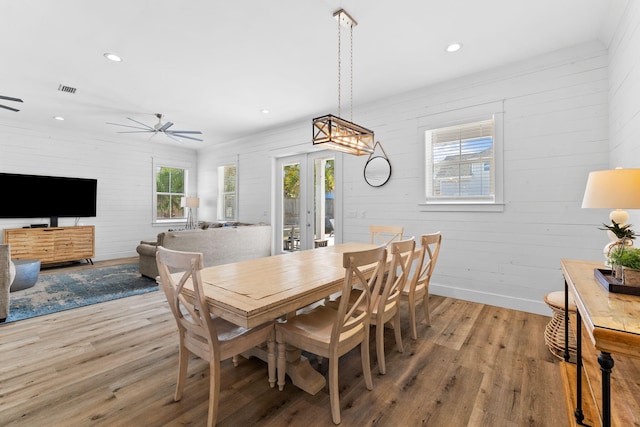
{"x":114,"y":364}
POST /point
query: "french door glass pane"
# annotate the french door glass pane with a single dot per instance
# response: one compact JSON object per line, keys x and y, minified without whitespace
{"x":291,"y":206}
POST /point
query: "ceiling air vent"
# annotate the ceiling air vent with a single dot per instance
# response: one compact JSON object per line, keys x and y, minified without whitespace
{"x":67,"y":89}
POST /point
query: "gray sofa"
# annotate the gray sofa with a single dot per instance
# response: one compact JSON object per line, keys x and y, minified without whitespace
{"x":7,"y":273}
{"x":220,"y":245}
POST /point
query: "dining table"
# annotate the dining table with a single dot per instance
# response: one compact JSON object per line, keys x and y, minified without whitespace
{"x":252,"y":292}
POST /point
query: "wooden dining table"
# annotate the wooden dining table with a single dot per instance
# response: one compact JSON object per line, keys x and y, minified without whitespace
{"x":250,"y":293}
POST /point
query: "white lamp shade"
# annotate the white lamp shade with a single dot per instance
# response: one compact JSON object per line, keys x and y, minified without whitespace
{"x":190,"y":202}
{"x":613,"y":189}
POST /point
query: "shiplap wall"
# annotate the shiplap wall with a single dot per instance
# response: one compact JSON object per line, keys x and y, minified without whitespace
{"x":556,"y":131}
{"x":624,"y":95}
{"x":123,"y":169}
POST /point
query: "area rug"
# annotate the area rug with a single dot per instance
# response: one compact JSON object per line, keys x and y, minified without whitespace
{"x":64,"y":291}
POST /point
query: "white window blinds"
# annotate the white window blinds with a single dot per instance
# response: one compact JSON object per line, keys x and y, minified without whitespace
{"x":461,"y":163}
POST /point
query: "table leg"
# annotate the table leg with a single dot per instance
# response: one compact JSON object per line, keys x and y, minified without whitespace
{"x":567,"y":356}
{"x":579,"y":415}
{"x":298,"y":368}
{"x":606,"y":364}
{"x":302,"y":373}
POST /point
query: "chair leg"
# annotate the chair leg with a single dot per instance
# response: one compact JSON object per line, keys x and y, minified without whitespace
{"x":397,"y":332}
{"x":271,"y":361}
{"x":412,"y":319}
{"x":366,"y":362}
{"x":380,"y":349}
{"x":334,"y":391}
{"x":425,"y":303}
{"x":282,"y":364}
{"x":183,"y":363}
{"x":214,"y":393}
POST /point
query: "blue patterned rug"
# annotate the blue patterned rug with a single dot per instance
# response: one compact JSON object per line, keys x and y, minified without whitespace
{"x":58,"y":292}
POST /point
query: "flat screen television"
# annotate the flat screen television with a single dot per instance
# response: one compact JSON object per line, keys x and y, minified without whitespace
{"x":39,"y":196}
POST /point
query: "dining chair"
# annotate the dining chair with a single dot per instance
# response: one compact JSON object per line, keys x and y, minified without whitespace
{"x":385,"y":300}
{"x":330,"y":333}
{"x":385,"y":234}
{"x":208,"y":337}
{"x":418,"y":290}
{"x":384,"y":305}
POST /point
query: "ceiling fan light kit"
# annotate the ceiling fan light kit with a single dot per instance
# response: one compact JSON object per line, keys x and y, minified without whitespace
{"x":334,"y":132}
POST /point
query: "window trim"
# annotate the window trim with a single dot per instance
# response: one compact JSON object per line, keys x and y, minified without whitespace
{"x":157,"y":163}
{"x":221,"y":194}
{"x":459,"y":117}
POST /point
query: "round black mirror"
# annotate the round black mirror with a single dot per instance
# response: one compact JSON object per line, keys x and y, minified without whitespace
{"x":377,"y":171}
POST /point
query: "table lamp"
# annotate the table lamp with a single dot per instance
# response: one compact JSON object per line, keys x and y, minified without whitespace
{"x":190,"y":203}
{"x":615,"y":189}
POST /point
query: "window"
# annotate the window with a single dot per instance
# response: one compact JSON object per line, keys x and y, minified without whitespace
{"x":171,"y":186}
{"x":463,"y":163}
{"x":227,"y":196}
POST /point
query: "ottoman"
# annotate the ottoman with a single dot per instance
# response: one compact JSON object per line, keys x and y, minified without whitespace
{"x":27,"y":271}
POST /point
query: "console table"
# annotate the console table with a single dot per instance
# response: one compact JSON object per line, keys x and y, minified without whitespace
{"x":611,"y":323}
{"x":51,"y":245}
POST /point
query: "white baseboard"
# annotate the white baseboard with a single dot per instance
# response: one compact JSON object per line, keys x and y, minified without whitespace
{"x":520,"y":304}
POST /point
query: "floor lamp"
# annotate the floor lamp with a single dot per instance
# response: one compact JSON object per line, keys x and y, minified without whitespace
{"x":190,"y":203}
{"x":615,"y":189}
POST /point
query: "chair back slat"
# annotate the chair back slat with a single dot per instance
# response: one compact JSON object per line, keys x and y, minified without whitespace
{"x":426,"y":259}
{"x":357,"y":266}
{"x":192,"y":315}
{"x":385,"y":234}
{"x":402,"y":254}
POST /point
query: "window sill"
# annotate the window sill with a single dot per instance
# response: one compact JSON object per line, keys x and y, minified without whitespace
{"x":461,"y":207}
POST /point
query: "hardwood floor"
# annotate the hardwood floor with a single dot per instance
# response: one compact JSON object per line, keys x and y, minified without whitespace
{"x":115,"y":364}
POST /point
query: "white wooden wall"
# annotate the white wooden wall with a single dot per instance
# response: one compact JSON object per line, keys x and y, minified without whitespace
{"x":123,"y":169}
{"x":624,"y":96}
{"x":556,"y":131}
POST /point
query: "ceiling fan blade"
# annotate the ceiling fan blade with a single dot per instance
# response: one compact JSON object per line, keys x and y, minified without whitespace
{"x":132,"y":127}
{"x":8,"y":98}
{"x":140,"y":123}
{"x":182,"y":136}
{"x":165,"y":126}
{"x":186,"y":131}
{"x":8,"y":108}
{"x":169,"y":135}
{"x":136,"y":131}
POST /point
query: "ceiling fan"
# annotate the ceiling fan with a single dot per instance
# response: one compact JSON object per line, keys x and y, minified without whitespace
{"x":8,"y":98}
{"x":160,"y":128}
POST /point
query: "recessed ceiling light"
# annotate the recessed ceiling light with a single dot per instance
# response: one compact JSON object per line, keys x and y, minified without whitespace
{"x":112,"y":57}
{"x":264,"y":111}
{"x":454,"y":47}
{"x":58,"y":118}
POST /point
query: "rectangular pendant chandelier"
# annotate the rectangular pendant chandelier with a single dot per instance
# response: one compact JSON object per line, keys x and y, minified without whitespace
{"x":342,"y":135}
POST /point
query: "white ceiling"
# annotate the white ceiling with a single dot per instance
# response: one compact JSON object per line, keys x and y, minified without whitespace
{"x":213,"y":65}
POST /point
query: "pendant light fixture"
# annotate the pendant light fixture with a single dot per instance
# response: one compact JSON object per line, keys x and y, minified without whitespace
{"x":335,"y":132}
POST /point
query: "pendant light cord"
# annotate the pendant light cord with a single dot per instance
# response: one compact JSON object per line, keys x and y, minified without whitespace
{"x":351,"y":83}
{"x":339,"y":68}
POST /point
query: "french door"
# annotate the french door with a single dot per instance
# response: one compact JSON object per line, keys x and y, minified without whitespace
{"x":306,"y":205}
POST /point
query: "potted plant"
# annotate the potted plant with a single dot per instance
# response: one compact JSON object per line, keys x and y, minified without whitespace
{"x":624,"y":235}
{"x":625,"y":262}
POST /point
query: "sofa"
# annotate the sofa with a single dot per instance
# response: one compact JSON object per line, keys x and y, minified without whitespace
{"x":7,"y":273}
{"x":219,"y":245}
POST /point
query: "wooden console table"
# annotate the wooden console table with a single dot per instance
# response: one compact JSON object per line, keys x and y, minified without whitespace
{"x":611,"y":322}
{"x":51,"y":245}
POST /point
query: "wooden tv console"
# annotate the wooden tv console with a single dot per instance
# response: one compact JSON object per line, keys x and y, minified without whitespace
{"x":51,"y":245}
